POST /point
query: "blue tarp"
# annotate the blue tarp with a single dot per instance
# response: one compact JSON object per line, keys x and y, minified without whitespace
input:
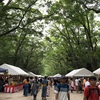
{"x":3,"y":70}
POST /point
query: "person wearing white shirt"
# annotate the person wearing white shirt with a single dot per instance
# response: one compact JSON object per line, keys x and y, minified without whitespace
{"x":87,"y":83}
{"x":76,"y":84}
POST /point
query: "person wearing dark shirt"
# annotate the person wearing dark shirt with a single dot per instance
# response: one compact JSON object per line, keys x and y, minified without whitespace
{"x":44,"y":88}
{"x":62,"y":90}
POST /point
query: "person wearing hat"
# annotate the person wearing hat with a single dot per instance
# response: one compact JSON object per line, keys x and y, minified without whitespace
{"x":92,"y":92}
{"x":62,"y":90}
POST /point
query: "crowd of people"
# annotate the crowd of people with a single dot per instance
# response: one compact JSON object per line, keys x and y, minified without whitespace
{"x":33,"y":85}
{"x":90,"y":87}
{"x":63,"y":86}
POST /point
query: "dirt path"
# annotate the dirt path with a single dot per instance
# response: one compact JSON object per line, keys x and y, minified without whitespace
{"x":19,"y":96}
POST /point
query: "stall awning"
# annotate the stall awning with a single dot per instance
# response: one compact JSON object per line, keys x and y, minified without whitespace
{"x":32,"y":74}
{"x":97,"y":71}
{"x":13,"y":70}
{"x":57,"y":75}
{"x":82,"y":72}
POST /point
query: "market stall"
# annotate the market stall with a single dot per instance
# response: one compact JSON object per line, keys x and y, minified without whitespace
{"x":14,"y":79}
{"x":82,"y":72}
{"x":12,"y":89}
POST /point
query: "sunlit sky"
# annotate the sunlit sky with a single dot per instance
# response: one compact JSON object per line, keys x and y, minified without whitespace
{"x":5,"y":1}
{"x":97,"y":18}
{"x":43,"y":10}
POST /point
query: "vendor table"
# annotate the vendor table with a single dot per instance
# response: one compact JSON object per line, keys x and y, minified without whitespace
{"x":12,"y":89}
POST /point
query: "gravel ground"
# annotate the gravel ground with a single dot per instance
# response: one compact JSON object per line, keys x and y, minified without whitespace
{"x":19,"y":96}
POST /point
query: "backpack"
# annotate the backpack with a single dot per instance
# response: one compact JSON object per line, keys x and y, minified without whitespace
{"x":91,"y":89}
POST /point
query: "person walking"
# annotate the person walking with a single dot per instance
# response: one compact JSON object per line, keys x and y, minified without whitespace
{"x":72,"y":85}
{"x":48,"y":87}
{"x":76,"y":84}
{"x":80,"y":86}
{"x":87,"y":83}
{"x":26,"y":86}
{"x":92,"y":92}
{"x":44,"y":88}
{"x":62,"y":90}
{"x":35,"y":88}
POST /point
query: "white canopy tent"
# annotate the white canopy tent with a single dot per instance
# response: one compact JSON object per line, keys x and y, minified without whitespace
{"x":97,"y":71}
{"x":32,"y":74}
{"x":39,"y":76}
{"x":82,"y":72}
{"x":57,"y":75}
{"x":13,"y":70}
